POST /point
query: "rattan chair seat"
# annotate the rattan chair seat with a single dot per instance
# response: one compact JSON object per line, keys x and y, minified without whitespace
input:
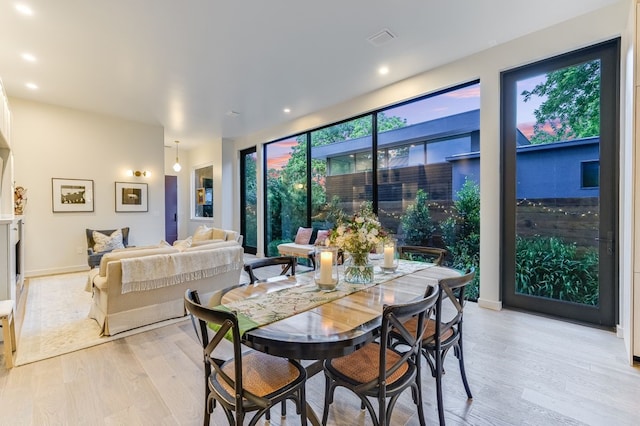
{"x":362,"y":365}
{"x":262,"y":374}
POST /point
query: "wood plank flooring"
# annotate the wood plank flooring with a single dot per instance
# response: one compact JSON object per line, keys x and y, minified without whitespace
{"x":523,"y":370}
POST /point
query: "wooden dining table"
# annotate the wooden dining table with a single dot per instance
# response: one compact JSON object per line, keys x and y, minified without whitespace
{"x":330,"y":329}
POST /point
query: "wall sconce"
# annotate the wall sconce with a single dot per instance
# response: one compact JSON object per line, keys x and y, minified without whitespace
{"x":139,"y":173}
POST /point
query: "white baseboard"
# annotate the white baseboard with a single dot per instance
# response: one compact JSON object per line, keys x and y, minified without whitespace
{"x":55,"y":271}
{"x":495,"y":305}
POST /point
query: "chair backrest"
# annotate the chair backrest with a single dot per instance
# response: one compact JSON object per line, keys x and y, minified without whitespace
{"x":91,"y":242}
{"x":287,"y":266}
{"x":393,"y":319}
{"x":226,"y":323}
{"x":434,"y":254}
{"x":453,"y":290}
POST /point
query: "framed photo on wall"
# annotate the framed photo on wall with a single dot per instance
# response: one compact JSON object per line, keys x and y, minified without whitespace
{"x":71,"y":195}
{"x":131,"y":197}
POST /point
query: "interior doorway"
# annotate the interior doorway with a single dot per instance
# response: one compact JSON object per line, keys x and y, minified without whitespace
{"x":170,"y":208}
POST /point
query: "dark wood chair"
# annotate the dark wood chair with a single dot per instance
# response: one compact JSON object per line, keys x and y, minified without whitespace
{"x":378,"y":371}
{"x":287,"y":264}
{"x":245,"y":382}
{"x":431,"y":254}
{"x":93,"y":257}
{"x":444,"y":334}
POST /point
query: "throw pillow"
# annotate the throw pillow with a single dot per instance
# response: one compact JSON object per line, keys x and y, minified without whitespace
{"x":202,"y":232}
{"x":303,"y":236}
{"x":107,"y":242}
{"x":183,"y":244}
{"x":321,"y":237}
{"x":218,"y":234}
{"x":163,"y":243}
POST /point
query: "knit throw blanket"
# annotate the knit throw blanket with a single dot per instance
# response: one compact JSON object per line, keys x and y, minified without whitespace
{"x":162,"y":270}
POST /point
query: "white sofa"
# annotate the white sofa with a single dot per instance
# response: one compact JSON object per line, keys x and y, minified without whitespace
{"x":155,"y":279}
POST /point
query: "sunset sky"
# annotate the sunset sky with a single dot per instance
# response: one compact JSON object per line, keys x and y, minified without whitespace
{"x":454,"y":102}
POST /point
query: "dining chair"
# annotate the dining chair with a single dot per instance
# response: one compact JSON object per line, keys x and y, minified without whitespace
{"x":444,"y":333}
{"x":242,"y":382}
{"x":377,"y":370}
{"x":288,"y":267}
{"x":434,"y":254}
{"x":287,"y":264}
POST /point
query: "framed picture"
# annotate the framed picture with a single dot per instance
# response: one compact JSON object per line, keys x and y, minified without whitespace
{"x":131,"y":197}
{"x":71,"y":195}
{"x":200,"y":196}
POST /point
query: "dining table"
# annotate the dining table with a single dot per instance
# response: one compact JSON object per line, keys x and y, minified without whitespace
{"x":292,"y":317}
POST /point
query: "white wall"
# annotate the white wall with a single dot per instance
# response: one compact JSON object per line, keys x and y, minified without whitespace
{"x":605,"y":24}
{"x":55,"y":142}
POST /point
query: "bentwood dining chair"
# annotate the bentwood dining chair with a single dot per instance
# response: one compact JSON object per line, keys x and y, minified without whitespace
{"x":287,"y":267}
{"x":444,"y":332}
{"x":245,"y":382}
{"x":432,"y":254}
{"x":377,"y":371}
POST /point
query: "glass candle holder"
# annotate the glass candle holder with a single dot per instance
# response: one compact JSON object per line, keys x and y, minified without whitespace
{"x":326,"y":273}
{"x":390,"y":256}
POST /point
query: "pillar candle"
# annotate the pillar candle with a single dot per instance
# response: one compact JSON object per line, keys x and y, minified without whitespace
{"x":326,"y":266}
{"x":388,"y":256}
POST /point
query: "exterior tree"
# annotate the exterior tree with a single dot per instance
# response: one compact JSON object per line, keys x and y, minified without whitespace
{"x":572,"y":106}
{"x":288,"y":196}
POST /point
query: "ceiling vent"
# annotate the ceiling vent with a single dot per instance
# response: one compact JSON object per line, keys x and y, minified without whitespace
{"x":382,"y":37}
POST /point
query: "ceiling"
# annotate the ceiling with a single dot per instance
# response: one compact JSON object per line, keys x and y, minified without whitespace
{"x":186,"y":65}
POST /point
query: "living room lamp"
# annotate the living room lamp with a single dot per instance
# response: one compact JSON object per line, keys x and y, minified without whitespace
{"x":177,"y":167}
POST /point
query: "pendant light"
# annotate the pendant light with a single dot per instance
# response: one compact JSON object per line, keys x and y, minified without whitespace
{"x":177,"y":167}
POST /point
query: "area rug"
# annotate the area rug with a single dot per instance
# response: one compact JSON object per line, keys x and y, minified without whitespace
{"x":56,"y":319}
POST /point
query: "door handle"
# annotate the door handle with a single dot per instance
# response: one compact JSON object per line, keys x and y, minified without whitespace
{"x":175,"y":217}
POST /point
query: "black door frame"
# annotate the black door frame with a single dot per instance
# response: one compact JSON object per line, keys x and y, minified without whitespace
{"x":243,"y":200}
{"x":606,"y":314}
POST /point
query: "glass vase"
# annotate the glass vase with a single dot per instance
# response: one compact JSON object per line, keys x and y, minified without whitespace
{"x":357,"y":268}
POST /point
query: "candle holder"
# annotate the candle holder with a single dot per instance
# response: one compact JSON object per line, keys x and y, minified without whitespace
{"x":326,"y":273}
{"x":390,"y":256}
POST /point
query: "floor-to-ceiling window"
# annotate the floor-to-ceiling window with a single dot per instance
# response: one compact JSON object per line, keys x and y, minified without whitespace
{"x":286,"y":182}
{"x":423,"y":180}
{"x":341,"y":169}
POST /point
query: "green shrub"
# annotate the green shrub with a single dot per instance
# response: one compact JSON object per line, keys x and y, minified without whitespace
{"x":548,"y":267}
{"x":416,"y":221}
{"x":461,"y":234}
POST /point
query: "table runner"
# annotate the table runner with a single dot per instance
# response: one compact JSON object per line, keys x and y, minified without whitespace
{"x":271,"y":307}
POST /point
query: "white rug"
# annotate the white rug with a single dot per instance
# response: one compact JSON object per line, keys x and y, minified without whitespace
{"x":56,"y":319}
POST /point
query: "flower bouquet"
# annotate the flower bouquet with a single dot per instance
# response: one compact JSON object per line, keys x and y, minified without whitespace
{"x":357,"y":237}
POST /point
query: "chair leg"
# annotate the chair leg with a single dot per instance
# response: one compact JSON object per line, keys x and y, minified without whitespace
{"x":328,"y":398}
{"x":439,"y":361}
{"x":462,"y":371}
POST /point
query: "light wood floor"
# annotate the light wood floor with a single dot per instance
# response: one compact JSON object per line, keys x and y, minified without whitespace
{"x":523,"y":370}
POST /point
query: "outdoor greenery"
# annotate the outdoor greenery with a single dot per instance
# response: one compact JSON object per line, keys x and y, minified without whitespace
{"x":572,"y":106}
{"x":287,"y":187}
{"x":548,"y":267}
{"x":461,"y":233}
{"x":417,"y":225}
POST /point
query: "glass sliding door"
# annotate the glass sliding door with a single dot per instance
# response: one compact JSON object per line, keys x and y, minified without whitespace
{"x":248,"y":200}
{"x":560,"y":145}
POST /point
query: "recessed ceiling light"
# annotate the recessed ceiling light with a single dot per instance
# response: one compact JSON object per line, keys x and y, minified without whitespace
{"x":32,"y":86}
{"x":28,"y":57}
{"x":383,"y":70}
{"x":286,"y":110}
{"x":24,"y":9}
